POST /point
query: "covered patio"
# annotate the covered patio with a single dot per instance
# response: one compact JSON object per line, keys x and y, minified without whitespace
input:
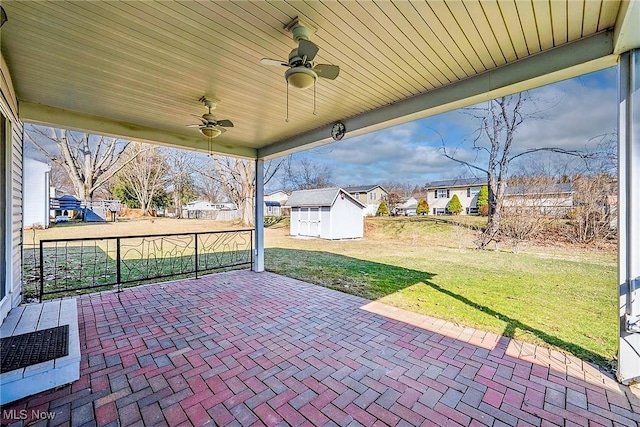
{"x":246,"y":348}
{"x":249,"y":346}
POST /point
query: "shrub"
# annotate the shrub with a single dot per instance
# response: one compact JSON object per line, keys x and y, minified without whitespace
{"x":483,"y":201}
{"x":454,"y":207}
{"x":382,"y":209}
{"x":423,"y":207}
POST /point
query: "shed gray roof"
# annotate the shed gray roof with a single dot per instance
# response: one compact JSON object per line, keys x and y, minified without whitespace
{"x":320,"y":197}
{"x":460,"y":182}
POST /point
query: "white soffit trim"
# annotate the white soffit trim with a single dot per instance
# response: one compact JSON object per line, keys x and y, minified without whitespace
{"x":564,"y":62}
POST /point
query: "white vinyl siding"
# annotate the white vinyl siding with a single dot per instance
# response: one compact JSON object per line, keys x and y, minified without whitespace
{"x":438,"y":198}
{"x":339,"y":218}
{"x":12,"y":196}
{"x":3,"y":205}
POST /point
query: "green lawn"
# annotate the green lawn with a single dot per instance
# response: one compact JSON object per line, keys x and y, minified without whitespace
{"x":561,"y":297}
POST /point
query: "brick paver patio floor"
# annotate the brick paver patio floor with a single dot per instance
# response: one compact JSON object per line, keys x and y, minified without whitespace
{"x":242,"y":348}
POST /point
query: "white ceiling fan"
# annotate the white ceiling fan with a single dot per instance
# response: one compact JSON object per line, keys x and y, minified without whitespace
{"x":210,"y":126}
{"x":302,"y":72}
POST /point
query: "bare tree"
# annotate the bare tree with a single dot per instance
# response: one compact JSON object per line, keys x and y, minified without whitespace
{"x":180,"y":172}
{"x":595,"y":213}
{"x":394,"y":200}
{"x":305,"y":174}
{"x":237,"y":178}
{"x":530,"y":203}
{"x":89,"y":160}
{"x":596,"y":199}
{"x":207,"y":187}
{"x":499,"y":120}
{"x":59,"y":179}
{"x":403,"y":189}
{"x":604,"y":157}
{"x":145,"y":174}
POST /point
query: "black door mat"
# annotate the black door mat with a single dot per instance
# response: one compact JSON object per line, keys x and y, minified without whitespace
{"x":29,"y":349}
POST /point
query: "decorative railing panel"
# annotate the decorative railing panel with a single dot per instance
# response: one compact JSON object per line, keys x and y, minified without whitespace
{"x":71,"y":266}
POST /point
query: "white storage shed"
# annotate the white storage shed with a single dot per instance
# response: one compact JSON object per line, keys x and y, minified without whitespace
{"x":36,"y":193}
{"x":328,"y":213}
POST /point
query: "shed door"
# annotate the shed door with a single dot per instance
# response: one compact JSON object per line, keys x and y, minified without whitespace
{"x":310,"y":222}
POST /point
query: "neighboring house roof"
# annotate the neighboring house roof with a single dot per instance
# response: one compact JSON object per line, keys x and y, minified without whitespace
{"x":518,"y":190}
{"x":410,"y":203}
{"x":320,"y":197}
{"x":460,"y":182}
{"x":362,"y":188}
{"x":271,"y":203}
{"x":277,"y":193}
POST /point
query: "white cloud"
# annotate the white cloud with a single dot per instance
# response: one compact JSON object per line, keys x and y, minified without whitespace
{"x":574,"y":111}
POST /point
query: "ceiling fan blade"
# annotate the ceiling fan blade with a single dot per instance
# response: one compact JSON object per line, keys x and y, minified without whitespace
{"x":201,"y":118}
{"x":194,"y":126}
{"x":308,"y":49}
{"x":274,"y":62}
{"x":225,"y":123}
{"x":327,"y":71}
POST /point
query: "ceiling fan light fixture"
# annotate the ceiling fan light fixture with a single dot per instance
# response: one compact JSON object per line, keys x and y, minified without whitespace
{"x":210,"y":131}
{"x":300,"y":77}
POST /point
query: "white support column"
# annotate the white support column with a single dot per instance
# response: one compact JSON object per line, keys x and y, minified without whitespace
{"x":629,"y":216}
{"x":258,"y":255}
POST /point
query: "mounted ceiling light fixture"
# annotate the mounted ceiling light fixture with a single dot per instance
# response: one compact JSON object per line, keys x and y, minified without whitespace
{"x":303,"y":72}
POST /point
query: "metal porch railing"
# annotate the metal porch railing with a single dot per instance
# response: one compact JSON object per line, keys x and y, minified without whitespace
{"x":72,"y":266}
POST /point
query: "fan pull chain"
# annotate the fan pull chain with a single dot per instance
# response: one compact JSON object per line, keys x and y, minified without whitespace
{"x":287,"y":119}
{"x":315,"y":110}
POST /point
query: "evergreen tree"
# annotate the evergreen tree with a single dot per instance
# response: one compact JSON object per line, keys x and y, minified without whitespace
{"x":122,"y":191}
{"x":454,"y":207}
{"x":382,"y":209}
{"x":483,"y":201}
{"x":423,"y":207}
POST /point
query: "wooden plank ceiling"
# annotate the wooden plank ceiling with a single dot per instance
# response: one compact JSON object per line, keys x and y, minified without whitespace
{"x":145,"y":64}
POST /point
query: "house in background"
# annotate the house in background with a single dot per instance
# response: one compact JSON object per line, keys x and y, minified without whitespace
{"x":407,"y":208}
{"x":439,"y":194}
{"x":328,"y":213}
{"x":368,"y":195}
{"x":275,"y":204}
{"x":36,"y":184}
{"x":547,"y":199}
{"x":278,"y":196}
{"x":202,"y":205}
{"x":272,"y":208}
{"x":201,"y":209}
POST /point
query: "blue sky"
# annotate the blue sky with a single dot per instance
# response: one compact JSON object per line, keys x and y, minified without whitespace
{"x":574,"y":111}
